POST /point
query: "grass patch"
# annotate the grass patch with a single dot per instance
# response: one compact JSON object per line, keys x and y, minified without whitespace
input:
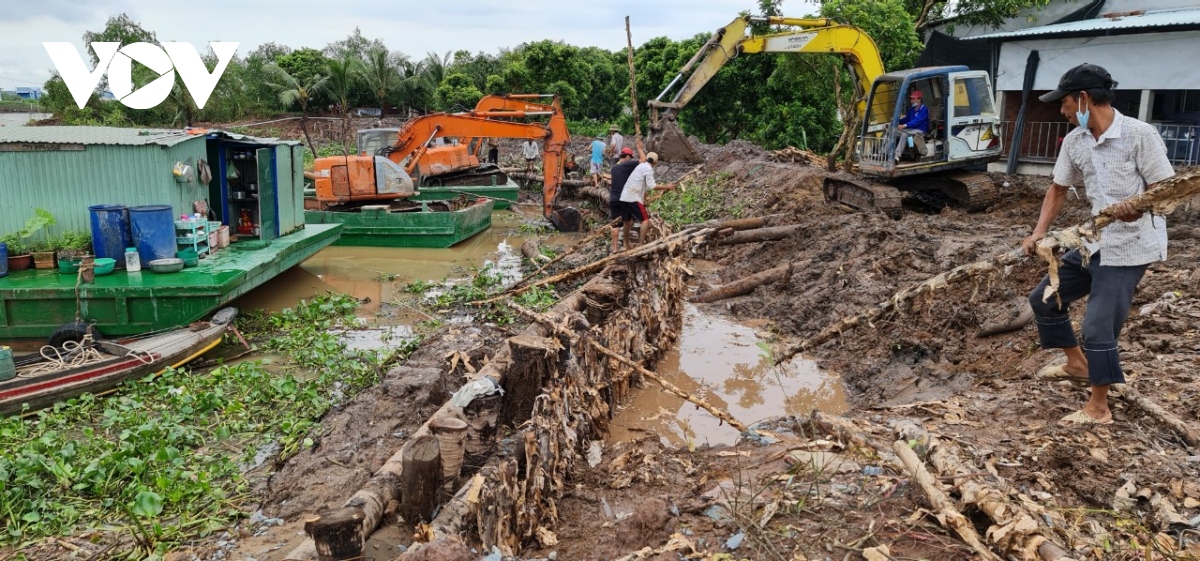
{"x":166,"y":458}
{"x":703,"y":201}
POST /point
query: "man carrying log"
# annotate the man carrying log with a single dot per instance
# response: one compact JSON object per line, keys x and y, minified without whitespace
{"x":619,"y":174}
{"x":1114,"y":157}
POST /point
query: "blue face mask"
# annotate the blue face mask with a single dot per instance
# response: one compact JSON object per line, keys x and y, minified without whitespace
{"x":1083,"y":117}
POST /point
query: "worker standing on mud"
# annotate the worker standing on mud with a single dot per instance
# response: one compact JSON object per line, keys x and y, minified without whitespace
{"x":597,"y":161}
{"x":616,"y":143}
{"x":530,"y":151}
{"x":620,"y":175}
{"x":633,"y":196}
{"x":914,"y":125}
{"x":1114,"y":157}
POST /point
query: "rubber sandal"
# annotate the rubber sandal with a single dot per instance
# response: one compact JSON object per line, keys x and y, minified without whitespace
{"x":1081,"y":417}
{"x":1056,"y":372}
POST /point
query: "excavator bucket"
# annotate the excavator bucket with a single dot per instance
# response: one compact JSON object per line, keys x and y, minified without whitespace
{"x":668,"y":140}
{"x":565,"y":219}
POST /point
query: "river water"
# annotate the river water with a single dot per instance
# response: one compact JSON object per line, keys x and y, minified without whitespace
{"x":20,"y":119}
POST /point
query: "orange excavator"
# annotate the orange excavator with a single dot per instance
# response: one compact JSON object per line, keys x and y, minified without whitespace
{"x":421,"y":155}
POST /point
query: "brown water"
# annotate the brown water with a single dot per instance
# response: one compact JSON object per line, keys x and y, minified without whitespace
{"x":379,"y":274}
{"x":722,"y":362}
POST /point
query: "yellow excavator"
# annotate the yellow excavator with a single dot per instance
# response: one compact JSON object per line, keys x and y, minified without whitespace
{"x":963,"y":130}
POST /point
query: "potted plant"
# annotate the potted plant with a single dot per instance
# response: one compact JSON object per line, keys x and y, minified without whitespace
{"x":19,"y":258}
{"x":42,"y":249}
{"x":73,"y":245}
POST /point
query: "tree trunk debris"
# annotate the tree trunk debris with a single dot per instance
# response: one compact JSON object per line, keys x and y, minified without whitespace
{"x":760,"y":235}
{"x":1135,"y":398}
{"x":1160,"y":200}
{"x":419,"y":480}
{"x":744,"y":286}
{"x":336,"y":534}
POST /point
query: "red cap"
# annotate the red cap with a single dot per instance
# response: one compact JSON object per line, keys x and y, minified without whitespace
{"x":627,"y":151}
{"x":916,"y":95}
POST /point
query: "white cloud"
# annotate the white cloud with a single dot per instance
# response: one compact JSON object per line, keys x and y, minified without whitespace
{"x":414,"y":28}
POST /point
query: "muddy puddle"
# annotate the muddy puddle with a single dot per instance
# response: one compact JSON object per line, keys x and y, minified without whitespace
{"x":723,"y":362}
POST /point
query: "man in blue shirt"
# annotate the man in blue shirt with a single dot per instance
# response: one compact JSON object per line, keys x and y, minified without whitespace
{"x":915,"y":124}
{"x":597,"y":159}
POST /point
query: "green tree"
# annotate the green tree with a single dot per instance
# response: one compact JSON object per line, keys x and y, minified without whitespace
{"x":887,"y":22}
{"x":303,"y":64}
{"x":457,"y":92}
{"x":382,"y":75}
{"x":354,"y":45}
{"x":971,"y":12}
{"x":293,"y":91}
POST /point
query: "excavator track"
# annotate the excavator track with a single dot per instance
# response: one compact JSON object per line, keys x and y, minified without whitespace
{"x":864,"y":194}
{"x":971,"y":191}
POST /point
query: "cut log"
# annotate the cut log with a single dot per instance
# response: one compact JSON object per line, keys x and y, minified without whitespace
{"x":741,"y":223}
{"x":946,"y":513}
{"x":1162,"y":199}
{"x":419,"y":480}
{"x":531,"y":252}
{"x":744,"y":286}
{"x":760,"y":235}
{"x":1135,"y":398}
{"x":336,"y":534}
{"x":531,"y":364}
{"x":672,"y":388}
{"x":602,"y":231}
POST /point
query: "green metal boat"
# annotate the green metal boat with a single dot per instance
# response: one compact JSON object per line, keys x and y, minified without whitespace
{"x":403,"y":223}
{"x":34,"y":303}
{"x":505,"y":195}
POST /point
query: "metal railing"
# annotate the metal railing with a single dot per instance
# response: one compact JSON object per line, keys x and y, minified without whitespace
{"x":1041,"y":141}
{"x":875,"y":149}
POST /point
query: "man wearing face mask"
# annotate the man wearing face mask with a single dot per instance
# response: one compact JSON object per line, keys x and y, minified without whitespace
{"x":1114,"y":157}
{"x":914,"y":124}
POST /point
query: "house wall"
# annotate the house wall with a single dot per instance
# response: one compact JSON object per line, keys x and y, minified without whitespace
{"x":66,"y":183}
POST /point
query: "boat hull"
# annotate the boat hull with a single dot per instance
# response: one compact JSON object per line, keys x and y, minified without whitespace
{"x":431,"y":229}
{"x":35,"y":303}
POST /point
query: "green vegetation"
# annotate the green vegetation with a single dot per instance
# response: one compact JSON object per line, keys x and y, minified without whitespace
{"x":700,"y":202}
{"x":166,"y":458}
{"x":770,"y":99}
{"x":447,"y":297}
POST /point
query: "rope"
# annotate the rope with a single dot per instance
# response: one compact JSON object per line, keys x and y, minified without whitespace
{"x":77,"y":354}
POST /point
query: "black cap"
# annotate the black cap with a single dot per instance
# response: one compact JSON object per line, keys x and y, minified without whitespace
{"x":1083,"y":77}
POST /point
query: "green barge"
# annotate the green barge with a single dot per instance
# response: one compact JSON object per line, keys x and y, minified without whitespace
{"x":405,"y":224}
{"x":109,"y":182}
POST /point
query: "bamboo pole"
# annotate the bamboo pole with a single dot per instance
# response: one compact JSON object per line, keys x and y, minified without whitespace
{"x":672,"y":388}
{"x":637,"y":124}
{"x":1162,"y":199}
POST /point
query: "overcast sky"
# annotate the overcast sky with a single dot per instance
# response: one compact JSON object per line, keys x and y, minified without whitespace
{"x":414,"y":28}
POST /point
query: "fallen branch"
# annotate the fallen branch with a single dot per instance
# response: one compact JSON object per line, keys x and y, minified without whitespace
{"x":547,"y":322}
{"x":744,"y":286}
{"x":760,"y":235}
{"x":665,"y":244}
{"x":946,"y":513}
{"x":1135,"y":398}
{"x":1160,"y":200}
{"x":1015,"y":531}
{"x":741,"y":223}
{"x":581,"y":243}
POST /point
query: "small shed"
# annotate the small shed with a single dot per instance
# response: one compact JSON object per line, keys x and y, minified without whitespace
{"x":254,"y":185}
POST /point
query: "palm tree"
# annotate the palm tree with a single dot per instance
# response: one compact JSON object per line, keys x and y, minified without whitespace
{"x":342,"y":74}
{"x":431,"y":71}
{"x":382,"y":74}
{"x":293,"y":91}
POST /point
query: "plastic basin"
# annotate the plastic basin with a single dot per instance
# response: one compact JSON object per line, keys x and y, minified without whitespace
{"x":171,"y":265}
{"x":104,"y":265}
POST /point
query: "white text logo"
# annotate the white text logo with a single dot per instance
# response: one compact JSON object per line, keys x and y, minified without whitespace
{"x":118,"y":62}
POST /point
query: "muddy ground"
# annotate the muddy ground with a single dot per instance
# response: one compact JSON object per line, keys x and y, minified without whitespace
{"x":792,"y":490}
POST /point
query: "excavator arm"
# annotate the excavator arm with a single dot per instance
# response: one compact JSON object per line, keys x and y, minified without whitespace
{"x":413,"y":141}
{"x":819,"y":35}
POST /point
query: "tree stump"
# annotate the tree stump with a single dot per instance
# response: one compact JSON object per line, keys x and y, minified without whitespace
{"x":338,"y":534}
{"x":419,"y":479}
{"x":532,"y":361}
{"x":452,"y":435}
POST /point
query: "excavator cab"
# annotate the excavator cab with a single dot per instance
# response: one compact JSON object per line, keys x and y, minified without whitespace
{"x":962,"y":123}
{"x":372,"y":141}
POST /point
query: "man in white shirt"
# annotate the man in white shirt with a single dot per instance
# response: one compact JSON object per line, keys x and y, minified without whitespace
{"x":1115,"y":157}
{"x":615,"y":143}
{"x":633,"y":197}
{"x":530,"y":150}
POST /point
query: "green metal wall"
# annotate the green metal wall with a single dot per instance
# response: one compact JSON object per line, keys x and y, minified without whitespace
{"x":285,"y":179}
{"x":66,"y":183}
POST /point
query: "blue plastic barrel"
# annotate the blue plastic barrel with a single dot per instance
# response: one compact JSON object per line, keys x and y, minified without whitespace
{"x":3,"y":259}
{"x":110,"y":232}
{"x":153,"y":228}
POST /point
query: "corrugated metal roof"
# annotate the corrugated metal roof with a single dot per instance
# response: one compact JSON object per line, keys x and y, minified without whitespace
{"x":1178,"y":17}
{"x":111,"y":136}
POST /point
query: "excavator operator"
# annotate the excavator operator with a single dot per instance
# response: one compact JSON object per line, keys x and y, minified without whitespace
{"x":914,"y":125}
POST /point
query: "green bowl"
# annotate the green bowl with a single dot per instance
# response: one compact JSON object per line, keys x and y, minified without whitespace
{"x":104,"y":265}
{"x":68,"y":266}
{"x":189,"y":256}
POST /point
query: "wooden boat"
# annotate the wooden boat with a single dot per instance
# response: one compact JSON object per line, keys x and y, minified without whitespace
{"x":98,"y":366}
{"x":404,"y":223}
